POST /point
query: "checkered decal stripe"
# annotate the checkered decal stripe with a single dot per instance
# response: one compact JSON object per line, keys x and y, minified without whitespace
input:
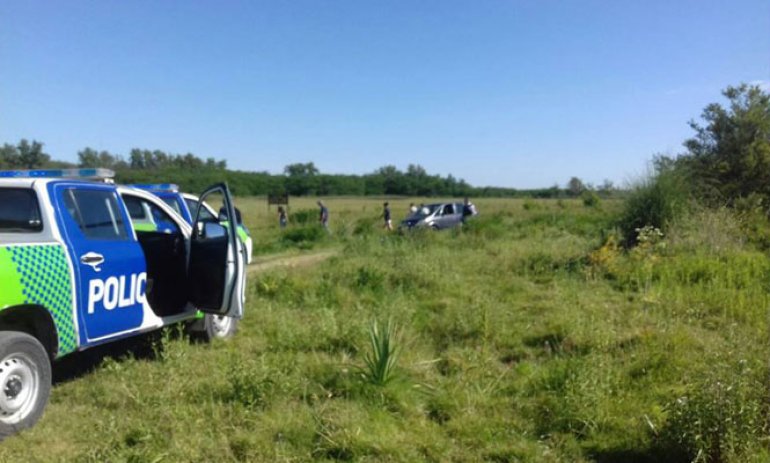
{"x":45,"y":278}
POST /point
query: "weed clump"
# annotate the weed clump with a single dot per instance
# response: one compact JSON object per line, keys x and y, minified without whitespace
{"x":722,"y":414}
{"x":380,"y":362}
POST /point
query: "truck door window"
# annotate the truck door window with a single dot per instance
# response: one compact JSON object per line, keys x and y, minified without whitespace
{"x":157,"y":218}
{"x":173,"y":204}
{"x":135,"y":209}
{"x":97,"y":213}
{"x":206,"y":215}
{"x":19,"y":211}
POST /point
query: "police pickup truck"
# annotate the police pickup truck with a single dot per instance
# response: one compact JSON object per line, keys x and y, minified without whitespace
{"x":76,"y":271}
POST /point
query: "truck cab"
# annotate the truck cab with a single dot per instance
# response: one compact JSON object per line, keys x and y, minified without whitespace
{"x":185,"y":205}
{"x":77,"y":270}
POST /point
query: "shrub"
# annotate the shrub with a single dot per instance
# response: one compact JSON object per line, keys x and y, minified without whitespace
{"x":304,"y":216}
{"x":721,"y":414}
{"x":590,"y":198}
{"x":304,"y":237}
{"x":364,"y":226}
{"x":655,"y":201}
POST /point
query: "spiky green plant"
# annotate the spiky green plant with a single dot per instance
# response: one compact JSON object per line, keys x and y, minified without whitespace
{"x":381,"y":360}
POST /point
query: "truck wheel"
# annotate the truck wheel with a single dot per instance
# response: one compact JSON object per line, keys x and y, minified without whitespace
{"x":25,"y":381}
{"x":212,"y":327}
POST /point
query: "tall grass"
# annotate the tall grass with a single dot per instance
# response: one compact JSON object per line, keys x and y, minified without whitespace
{"x":529,"y":341}
{"x":656,"y":200}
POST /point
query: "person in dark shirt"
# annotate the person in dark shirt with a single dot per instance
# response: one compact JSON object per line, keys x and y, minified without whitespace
{"x":386,"y":215}
{"x":324,"y":215}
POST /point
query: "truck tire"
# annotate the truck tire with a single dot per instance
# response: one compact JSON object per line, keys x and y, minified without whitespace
{"x":212,"y":327}
{"x":25,"y":381}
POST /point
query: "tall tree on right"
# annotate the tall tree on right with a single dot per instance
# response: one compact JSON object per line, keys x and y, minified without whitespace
{"x":729,"y":156}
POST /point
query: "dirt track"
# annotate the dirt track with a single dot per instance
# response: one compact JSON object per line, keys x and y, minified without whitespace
{"x":303,"y":260}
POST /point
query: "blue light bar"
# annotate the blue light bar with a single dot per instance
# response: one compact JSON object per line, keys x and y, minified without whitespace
{"x":157,"y":187}
{"x":59,"y":173}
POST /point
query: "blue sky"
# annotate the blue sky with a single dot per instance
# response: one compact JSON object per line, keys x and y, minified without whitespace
{"x":508,"y":93}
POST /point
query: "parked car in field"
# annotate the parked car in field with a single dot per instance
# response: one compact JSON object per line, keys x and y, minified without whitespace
{"x":436,"y":216}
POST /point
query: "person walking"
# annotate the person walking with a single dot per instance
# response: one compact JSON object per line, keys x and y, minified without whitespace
{"x":283,"y":219}
{"x":324,"y":215}
{"x":386,"y":216}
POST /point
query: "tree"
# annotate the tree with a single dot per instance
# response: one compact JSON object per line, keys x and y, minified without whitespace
{"x":9,"y":156}
{"x":575,"y":186}
{"x":730,"y":152}
{"x":301,"y":178}
{"x":31,"y":155}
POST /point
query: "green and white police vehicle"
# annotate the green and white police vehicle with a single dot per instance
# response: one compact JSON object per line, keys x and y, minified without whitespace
{"x":76,"y":271}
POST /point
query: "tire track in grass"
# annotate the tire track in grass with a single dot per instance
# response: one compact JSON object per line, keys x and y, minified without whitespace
{"x":301,"y":260}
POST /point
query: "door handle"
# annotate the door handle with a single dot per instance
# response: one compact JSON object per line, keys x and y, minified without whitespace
{"x":93,"y":259}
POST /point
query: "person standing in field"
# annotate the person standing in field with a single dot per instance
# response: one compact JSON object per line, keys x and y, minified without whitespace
{"x":386,"y":216}
{"x":468,"y":209}
{"x":283,"y":219}
{"x":412,"y":208}
{"x":324,"y":215}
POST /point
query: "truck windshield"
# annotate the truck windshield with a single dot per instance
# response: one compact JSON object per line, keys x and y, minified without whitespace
{"x":19,"y":211}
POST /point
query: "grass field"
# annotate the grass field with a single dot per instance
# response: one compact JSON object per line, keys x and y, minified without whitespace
{"x":526,"y":336}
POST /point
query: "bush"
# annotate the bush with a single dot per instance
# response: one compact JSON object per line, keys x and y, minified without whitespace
{"x":722,"y":414}
{"x":655,"y":201}
{"x":304,"y":237}
{"x":590,"y":198}
{"x":304,"y":216}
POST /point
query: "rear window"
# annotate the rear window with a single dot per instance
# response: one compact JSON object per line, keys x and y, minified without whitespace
{"x":19,"y":211}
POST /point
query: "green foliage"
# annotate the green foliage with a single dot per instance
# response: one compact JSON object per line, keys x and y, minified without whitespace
{"x":724,"y":414}
{"x":655,"y":201}
{"x":247,"y":386}
{"x":304,"y":237}
{"x":729,"y":156}
{"x":304,"y":216}
{"x":528,"y":340}
{"x":575,"y":187}
{"x":24,"y":155}
{"x":381,"y":360}
{"x":590,"y":198}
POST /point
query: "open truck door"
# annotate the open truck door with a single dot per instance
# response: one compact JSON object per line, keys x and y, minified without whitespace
{"x":216,"y":268}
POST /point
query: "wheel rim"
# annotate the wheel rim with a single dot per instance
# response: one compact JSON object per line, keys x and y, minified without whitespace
{"x":19,"y":387}
{"x":221,"y":325}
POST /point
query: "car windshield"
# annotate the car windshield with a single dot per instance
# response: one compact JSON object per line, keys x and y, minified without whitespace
{"x":423,"y":211}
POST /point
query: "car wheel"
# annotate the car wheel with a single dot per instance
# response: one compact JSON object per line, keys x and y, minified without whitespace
{"x":212,"y":327}
{"x":25,"y":381}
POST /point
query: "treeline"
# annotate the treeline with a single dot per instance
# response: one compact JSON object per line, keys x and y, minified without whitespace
{"x":193,"y":173}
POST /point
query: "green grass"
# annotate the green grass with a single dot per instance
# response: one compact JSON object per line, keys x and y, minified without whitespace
{"x":526,"y":336}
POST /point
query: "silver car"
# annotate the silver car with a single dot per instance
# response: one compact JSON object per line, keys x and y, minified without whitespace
{"x":436,"y":216}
